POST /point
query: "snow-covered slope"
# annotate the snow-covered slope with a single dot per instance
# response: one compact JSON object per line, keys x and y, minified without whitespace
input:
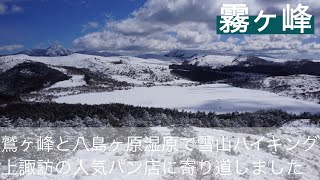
{"x":218,"y":60}
{"x":136,"y":69}
{"x":76,"y":80}
{"x":241,"y":159}
{"x":305,"y":87}
{"x":213,"y":61}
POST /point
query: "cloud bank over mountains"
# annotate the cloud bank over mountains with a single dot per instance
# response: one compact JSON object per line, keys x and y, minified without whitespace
{"x":163,"y":25}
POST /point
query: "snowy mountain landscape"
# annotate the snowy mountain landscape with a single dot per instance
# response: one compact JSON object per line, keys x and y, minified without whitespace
{"x":159,"y":90}
{"x":176,"y":94}
{"x":139,"y":81}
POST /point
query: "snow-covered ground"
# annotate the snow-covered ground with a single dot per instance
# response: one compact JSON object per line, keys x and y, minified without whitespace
{"x":143,"y":73}
{"x":220,"y":61}
{"x":219,"y":98}
{"x":214,"y":61}
{"x":132,"y":69}
{"x":76,"y":80}
{"x":304,"y":156}
{"x":305,"y":87}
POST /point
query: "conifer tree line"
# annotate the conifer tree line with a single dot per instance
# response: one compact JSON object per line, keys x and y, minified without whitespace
{"x":120,"y":115}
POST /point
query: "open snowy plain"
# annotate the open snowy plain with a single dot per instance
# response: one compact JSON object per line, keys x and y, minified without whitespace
{"x":219,"y":98}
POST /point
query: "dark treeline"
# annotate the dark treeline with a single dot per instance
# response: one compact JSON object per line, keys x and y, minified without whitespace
{"x":27,"y":77}
{"x":252,"y":65}
{"x":196,"y":73}
{"x":119,"y":115}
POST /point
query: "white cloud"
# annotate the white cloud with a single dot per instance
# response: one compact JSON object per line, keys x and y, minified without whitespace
{"x":233,"y":40}
{"x":90,"y":25}
{"x":16,"y":9}
{"x":3,"y":8}
{"x":163,"y":25}
{"x":93,"y":24}
{"x":6,"y":8}
{"x":11,"y":47}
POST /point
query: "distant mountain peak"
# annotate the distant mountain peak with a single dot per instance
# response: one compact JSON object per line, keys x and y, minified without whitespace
{"x":181,"y":54}
{"x":52,"y":51}
{"x":57,"y":50}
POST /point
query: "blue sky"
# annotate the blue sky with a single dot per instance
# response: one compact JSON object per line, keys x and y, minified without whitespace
{"x":144,"y":26}
{"x":43,"y":22}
